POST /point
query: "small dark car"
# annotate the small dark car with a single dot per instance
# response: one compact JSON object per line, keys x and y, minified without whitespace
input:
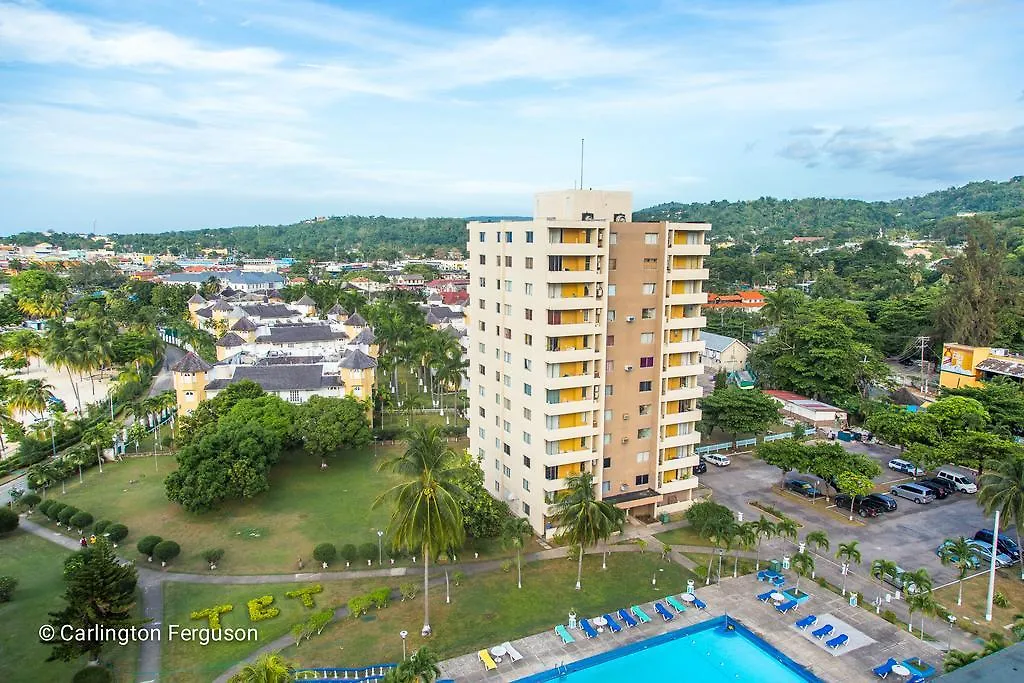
{"x":804,"y":488}
{"x":700,"y":468}
{"x":1007,"y":546}
{"x":888,"y":501}
{"x":863,"y":506}
{"x":941,"y":483}
{"x":940,"y":492}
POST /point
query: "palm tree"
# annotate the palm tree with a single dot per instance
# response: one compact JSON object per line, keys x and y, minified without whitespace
{"x":99,"y":436}
{"x":819,"y":539}
{"x":23,"y":344}
{"x":764,"y":528}
{"x":584,"y":520}
{"x":787,"y":528}
{"x":41,"y":475}
{"x":720,"y":531}
{"x":848,"y":553}
{"x":879,"y":570}
{"x":268,"y":668}
{"x":1002,"y":488}
{"x":924,"y":603}
{"x":78,"y":457}
{"x":422,"y":666}
{"x":920,"y":578}
{"x":803,"y":565}
{"x":65,"y":350}
{"x":780,"y":304}
{"x":426,"y":512}
{"x":32,"y":396}
{"x":745,"y":539}
{"x":962,"y":555}
{"x":514,"y":533}
{"x":958,"y":658}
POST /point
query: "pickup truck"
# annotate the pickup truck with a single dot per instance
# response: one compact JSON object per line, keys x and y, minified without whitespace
{"x":863,"y":506}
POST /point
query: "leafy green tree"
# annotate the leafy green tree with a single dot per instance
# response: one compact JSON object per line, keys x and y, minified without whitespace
{"x":583,"y":519}
{"x":848,"y":553}
{"x":1002,"y":399}
{"x":100,"y":593}
{"x":514,"y":533}
{"x":891,"y":424}
{"x":781,"y":305}
{"x":1002,"y":488}
{"x":165,"y":551}
{"x":737,"y":410}
{"x":325,"y":553}
{"x":146,"y":545}
{"x":7,"y":586}
{"x":961,"y":554}
{"x":482,"y":514}
{"x":328,"y":425}
{"x":855,"y":485}
{"x":803,"y":565}
{"x":426,"y":514}
{"x":956,"y":659}
{"x":786,"y":454}
{"x":8,"y":520}
{"x":268,"y":668}
{"x":979,"y":450}
{"x":116,"y":533}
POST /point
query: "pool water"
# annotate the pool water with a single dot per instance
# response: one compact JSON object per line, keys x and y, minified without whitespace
{"x":709,"y":651}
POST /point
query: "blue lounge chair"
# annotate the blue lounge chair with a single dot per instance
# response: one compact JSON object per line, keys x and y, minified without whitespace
{"x":787,"y":606}
{"x":666,"y":615}
{"x":564,"y":634}
{"x":588,"y":629}
{"x":612,"y":624}
{"x":676,"y":605}
{"x":885,"y":669}
{"x":640,"y":614}
{"x":765,"y":597}
{"x":825,"y":630}
{"x":838,"y":641}
{"x":698,"y":603}
{"x":627,"y":618}
{"x":806,"y":622}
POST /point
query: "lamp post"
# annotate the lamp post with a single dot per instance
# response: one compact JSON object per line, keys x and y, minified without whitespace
{"x":949,"y":640}
{"x":721,"y":554}
{"x":380,"y":547}
{"x":404,"y":635}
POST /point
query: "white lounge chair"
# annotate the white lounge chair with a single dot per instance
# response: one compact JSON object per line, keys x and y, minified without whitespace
{"x":513,"y":654}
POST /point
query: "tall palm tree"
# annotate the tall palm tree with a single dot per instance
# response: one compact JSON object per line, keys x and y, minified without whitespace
{"x":780,"y":304}
{"x":848,"y":553}
{"x":426,"y":512}
{"x":32,"y":396}
{"x":720,"y":531}
{"x":879,"y":570}
{"x":65,"y":350}
{"x":919,"y":578}
{"x":23,"y":344}
{"x":745,"y":539}
{"x":961,"y":554}
{"x":514,"y":533}
{"x":764,"y":528}
{"x":787,"y":528}
{"x":41,"y":476}
{"x":803,"y":565}
{"x":582,"y":519}
{"x":1002,"y":488}
{"x":268,"y":668}
{"x":422,"y":666}
{"x":819,"y":539}
{"x":78,"y":457}
{"x":923,"y":602}
{"x":99,"y":436}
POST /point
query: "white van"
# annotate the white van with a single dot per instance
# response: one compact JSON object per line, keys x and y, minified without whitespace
{"x":717,"y":459}
{"x":962,"y":482}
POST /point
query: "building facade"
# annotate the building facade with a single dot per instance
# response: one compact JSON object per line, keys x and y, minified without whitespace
{"x":972,"y":366}
{"x":584,"y":350}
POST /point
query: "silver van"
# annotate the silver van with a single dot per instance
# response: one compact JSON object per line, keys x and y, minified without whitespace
{"x":914,"y":492}
{"x":962,"y":482}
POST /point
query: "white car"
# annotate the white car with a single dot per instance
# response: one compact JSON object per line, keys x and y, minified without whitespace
{"x":906,"y":467}
{"x":717,"y":459}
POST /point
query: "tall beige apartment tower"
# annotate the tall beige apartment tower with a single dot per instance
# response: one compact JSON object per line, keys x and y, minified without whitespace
{"x":584,"y":353}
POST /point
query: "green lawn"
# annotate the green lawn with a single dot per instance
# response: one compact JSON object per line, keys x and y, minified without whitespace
{"x":191,"y":661}
{"x":682,"y":536}
{"x":37,"y":564}
{"x":488,"y":609}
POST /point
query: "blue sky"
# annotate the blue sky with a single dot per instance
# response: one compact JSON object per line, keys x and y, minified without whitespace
{"x":178,"y":114}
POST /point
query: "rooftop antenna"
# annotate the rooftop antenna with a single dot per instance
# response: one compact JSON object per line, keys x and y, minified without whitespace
{"x":581,"y":163}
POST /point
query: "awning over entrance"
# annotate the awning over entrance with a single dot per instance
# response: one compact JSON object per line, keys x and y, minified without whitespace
{"x":634,"y":499}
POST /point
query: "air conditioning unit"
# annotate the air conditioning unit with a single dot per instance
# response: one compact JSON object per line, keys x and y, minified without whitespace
{"x":630,"y":318}
{"x":625,"y":439}
{"x":629,"y":368}
{"x":587,"y":216}
{"x":625,"y":417}
{"x":619,"y":218}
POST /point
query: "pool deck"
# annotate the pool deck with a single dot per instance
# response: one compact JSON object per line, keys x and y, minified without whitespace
{"x":735,"y":597}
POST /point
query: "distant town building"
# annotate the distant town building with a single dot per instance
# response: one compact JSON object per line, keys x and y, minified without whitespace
{"x":749,"y":300}
{"x":723,"y":353}
{"x":808,"y":410}
{"x":972,"y":366}
{"x":239,"y":280}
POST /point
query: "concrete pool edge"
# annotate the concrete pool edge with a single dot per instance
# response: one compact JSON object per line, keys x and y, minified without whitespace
{"x":661,"y":639}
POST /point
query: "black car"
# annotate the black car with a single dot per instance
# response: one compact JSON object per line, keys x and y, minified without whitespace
{"x":1006,"y":545}
{"x":862,"y":505}
{"x":939,"y":491}
{"x":804,"y":488}
{"x":885,"y":500}
{"x":700,"y":468}
{"x":941,"y":483}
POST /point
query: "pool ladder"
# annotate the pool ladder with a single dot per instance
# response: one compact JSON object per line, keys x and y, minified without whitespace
{"x":562,"y":670}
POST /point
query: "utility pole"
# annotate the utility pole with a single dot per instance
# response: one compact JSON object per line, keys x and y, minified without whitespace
{"x":922,"y":343}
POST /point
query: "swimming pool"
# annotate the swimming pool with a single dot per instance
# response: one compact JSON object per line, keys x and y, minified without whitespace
{"x":709,"y":651}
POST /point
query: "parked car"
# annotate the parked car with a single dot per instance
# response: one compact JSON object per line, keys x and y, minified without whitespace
{"x":716,"y":459}
{"x":906,"y":467}
{"x":700,"y":468}
{"x":984,"y":552}
{"x":963,"y":483}
{"x":862,"y":505}
{"x":914,"y":492}
{"x":897,"y":580}
{"x":973,"y":562}
{"x":1006,"y":544}
{"x":804,"y":488}
{"x":888,"y":501}
{"x":941,"y":492}
{"x":941,"y":483}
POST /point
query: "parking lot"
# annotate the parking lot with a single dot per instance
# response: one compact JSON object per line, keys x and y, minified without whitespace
{"x":907,"y":536}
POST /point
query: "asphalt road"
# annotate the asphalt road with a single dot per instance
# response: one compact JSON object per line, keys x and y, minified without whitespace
{"x":907,"y":536}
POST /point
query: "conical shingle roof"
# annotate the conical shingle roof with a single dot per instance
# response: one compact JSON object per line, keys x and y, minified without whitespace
{"x":223,"y":306}
{"x":191,"y":363}
{"x":356,"y":320}
{"x":306,"y":300}
{"x":230,"y":339}
{"x":337,"y":309}
{"x":197,"y":299}
{"x":244,"y":325}
{"x":357,"y":360}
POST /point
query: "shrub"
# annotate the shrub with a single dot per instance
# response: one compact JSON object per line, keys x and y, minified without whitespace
{"x":506,"y":566}
{"x":368,"y":551}
{"x":379,"y":597}
{"x":8,"y":520}
{"x":29,"y":500}
{"x":212,"y":615}
{"x":890,"y":616}
{"x":358,"y":606}
{"x":318,"y":621}
{"x":146,"y":545}
{"x":408,"y":591}
{"x":166,"y":551}
{"x":349,"y":553}
{"x":305,"y":595}
{"x":457,"y":576}
{"x":7,"y":586}
{"x":54,"y":510}
{"x":261,"y":608}
{"x":999,"y":600}
{"x":46,"y":505}
{"x":116,"y":533}
{"x":93,"y":674}
{"x":67,"y":513}
{"x":81,"y":520}
{"x":212,"y":556}
{"x":325,"y":553}
{"x":101,"y":526}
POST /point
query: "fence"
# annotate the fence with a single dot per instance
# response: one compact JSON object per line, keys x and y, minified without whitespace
{"x":369,"y":673}
{"x":742,"y":443}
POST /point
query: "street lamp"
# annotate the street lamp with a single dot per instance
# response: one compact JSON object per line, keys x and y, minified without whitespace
{"x":721,"y":554}
{"x":404,"y":634}
{"x":949,"y":640}
{"x":380,"y":547}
